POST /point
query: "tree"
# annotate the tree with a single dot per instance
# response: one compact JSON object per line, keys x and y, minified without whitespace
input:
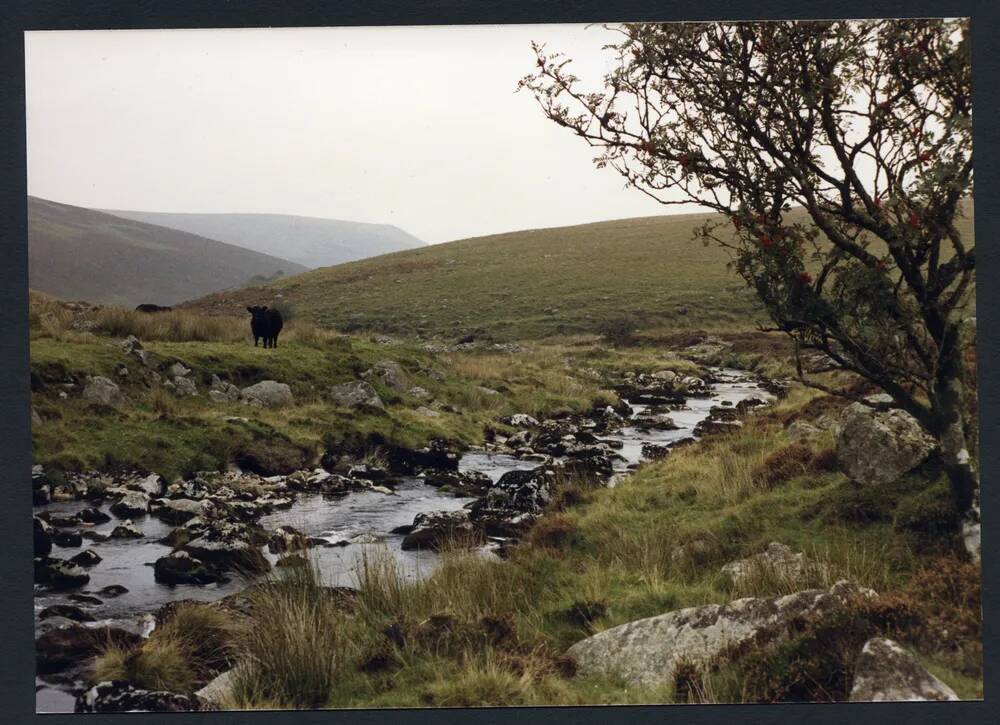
{"x":838,"y":156}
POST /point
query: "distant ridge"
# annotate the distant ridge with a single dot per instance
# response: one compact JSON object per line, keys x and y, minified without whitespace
{"x":309,"y":241}
{"x":81,"y":254}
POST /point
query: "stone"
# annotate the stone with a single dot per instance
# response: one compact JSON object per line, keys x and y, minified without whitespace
{"x":132,"y":504}
{"x":886,"y":672}
{"x":113,"y":590}
{"x":61,"y":648}
{"x":431,"y":530}
{"x":519,"y":420}
{"x":178,"y":510}
{"x":178,"y":370}
{"x":67,"y":539}
{"x":126,"y":530}
{"x":287,"y":538}
{"x":102,"y":391}
{"x":389,"y":372}
{"x":182,"y":387}
{"x":152,"y":485}
{"x":356,"y":394}
{"x":120,"y":696}
{"x":877,"y":447}
{"x":217,"y":692}
{"x":42,"y":537}
{"x":647,"y":652}
{"x":181,"y":568}
{"x":86,"y":558}
{"x":59,"y":573}
{"x":777,"y":561}
{"x":268,"y":394}
{"x":93,"y":516}
{"x":65,"y":610}
{"x":419,"y":393}
{"x":230,"y":545}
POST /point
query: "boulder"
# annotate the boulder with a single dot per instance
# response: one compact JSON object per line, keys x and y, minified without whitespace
{"x":178,"y":510}
{"x":357,"y":394}
{"x":230,"y":545}
{"x":217,"y":692}
{"x":65,"y":610}
{"x":647,"y":652}
{"x":67,"y":539}
{"x":61,"y":648}
{"x":42,"y":536}
{"x":777,"y":561}
{"x":876,"y":447}
{"x":59,"y":574}
{"x":181,"y":568}
{"x":433,"y":529}
{"x":182,"y":387}
{"x":389,"y":372}
{"x":152,"y":485}
{"x":222,"y":391}
{"x":519,"y":420}
{"x":120,"y":696}
{"x":464,"y":483}
{"x":886,"y":672}
{"x":93,"y":516}
{"x":132,"y":504}
{"x":102,"y":391}
{"x":287,"y":538}
{"x":268,"y":394}
{"x":113,"y":590}
{"x":126,"y":530}
{"x":178,"y":370}
{"x":86,"y":558}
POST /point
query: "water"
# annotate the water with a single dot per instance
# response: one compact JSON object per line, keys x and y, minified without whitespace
{"x":364,"y":517}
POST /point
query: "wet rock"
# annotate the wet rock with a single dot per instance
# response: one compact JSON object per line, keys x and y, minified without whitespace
{"x":268,"y":394}
{"x":439,"y":454}
{"x":86,"y":558}
{"x":95,"y":536}
{"x":287,"y":538}
{"x":126,"y":530}
{"x":59,"y":573}
{"x":230,"y":545}
{"x":102,"y":391}
{"x":42,"y":537}
{"x":181,"y":568}
{"x":178,"y":510}
{"x":84,"y":599}
{"x":654,"y":451}
{"x":152,"y":485}
{"x":465,"y":483}
{"x":61,"y":648}
{"x":93,"y":516}
{"x":65,"y":610}
{"x":876,"y":447}
{"x":41,"y":490}
{"x":431,"y":530}
{"x":132,"y":504}
{"x":357,"y":394}
{"x":512,"y":504}
{"x":67,"y":539}
{"x":113,"y":590}
{"x":120,"y":696}
{"x":886,"y":672}
{"x":648,"y":651}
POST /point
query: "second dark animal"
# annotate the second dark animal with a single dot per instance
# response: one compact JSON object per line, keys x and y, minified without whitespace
{"x":265,"y":324}
{"x":147,"y":307}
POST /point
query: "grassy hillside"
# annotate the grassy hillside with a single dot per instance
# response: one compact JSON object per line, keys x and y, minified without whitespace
{"x":309,"y":241}
{"x":77,"y":253}
{"x":528,"y":284}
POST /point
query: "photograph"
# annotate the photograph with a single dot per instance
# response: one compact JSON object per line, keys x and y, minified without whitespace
{"x":503,"y":365}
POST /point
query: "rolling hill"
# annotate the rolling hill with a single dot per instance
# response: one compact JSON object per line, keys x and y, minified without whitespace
{"x":528,"y":284}
{"x":309,"y":241}
{"x":519,"y":285}
{"x":77,"y":253}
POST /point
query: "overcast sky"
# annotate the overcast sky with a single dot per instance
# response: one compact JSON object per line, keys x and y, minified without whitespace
{"x":418,"y":127}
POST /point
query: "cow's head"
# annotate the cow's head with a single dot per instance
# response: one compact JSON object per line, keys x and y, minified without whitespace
{"x":256,"y":311}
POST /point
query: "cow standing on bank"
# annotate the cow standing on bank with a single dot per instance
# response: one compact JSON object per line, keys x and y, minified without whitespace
{"x":265,"y":324}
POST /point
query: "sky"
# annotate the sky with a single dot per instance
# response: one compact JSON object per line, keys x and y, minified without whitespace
{"x":418,"y":127}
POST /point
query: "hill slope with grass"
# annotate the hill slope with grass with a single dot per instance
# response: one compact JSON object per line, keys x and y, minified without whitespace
{"x":309,"y":241}
{"x":77,"y":253}
{"x":590,"y":278}
{"x":527,"y":284}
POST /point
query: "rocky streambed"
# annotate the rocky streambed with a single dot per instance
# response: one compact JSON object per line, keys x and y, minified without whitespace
{"x":113,"y":550}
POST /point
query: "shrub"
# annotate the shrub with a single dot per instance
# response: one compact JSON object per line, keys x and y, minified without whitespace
{"x":783,"y":464}
{"x":553,"y":531}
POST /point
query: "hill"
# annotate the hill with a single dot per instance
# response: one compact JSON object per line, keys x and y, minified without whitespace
{"x":77,"y":253}
{"x":526,"y":284}
{"x":529,"y":284}
{"x":309,"y":241}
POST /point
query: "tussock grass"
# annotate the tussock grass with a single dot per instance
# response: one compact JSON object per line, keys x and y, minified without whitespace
{"x":180,"y":655}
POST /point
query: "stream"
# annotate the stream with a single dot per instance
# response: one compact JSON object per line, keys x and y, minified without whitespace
{"x":363,"y":518}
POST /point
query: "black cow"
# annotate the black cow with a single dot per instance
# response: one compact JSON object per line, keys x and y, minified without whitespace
{"x":265,"y":324}
{"x":147,"y":307}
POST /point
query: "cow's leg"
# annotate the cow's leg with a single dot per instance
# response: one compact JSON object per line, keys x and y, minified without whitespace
{"x":255,"y":339}
{"x":274,"y":341}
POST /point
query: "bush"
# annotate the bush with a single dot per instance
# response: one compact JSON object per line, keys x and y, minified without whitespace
{"x":553,"y":531}
{"x":931,"y":516}
{"x":783,"y":464}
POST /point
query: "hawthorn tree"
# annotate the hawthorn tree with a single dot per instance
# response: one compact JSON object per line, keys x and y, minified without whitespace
{"x":838,"y":156}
